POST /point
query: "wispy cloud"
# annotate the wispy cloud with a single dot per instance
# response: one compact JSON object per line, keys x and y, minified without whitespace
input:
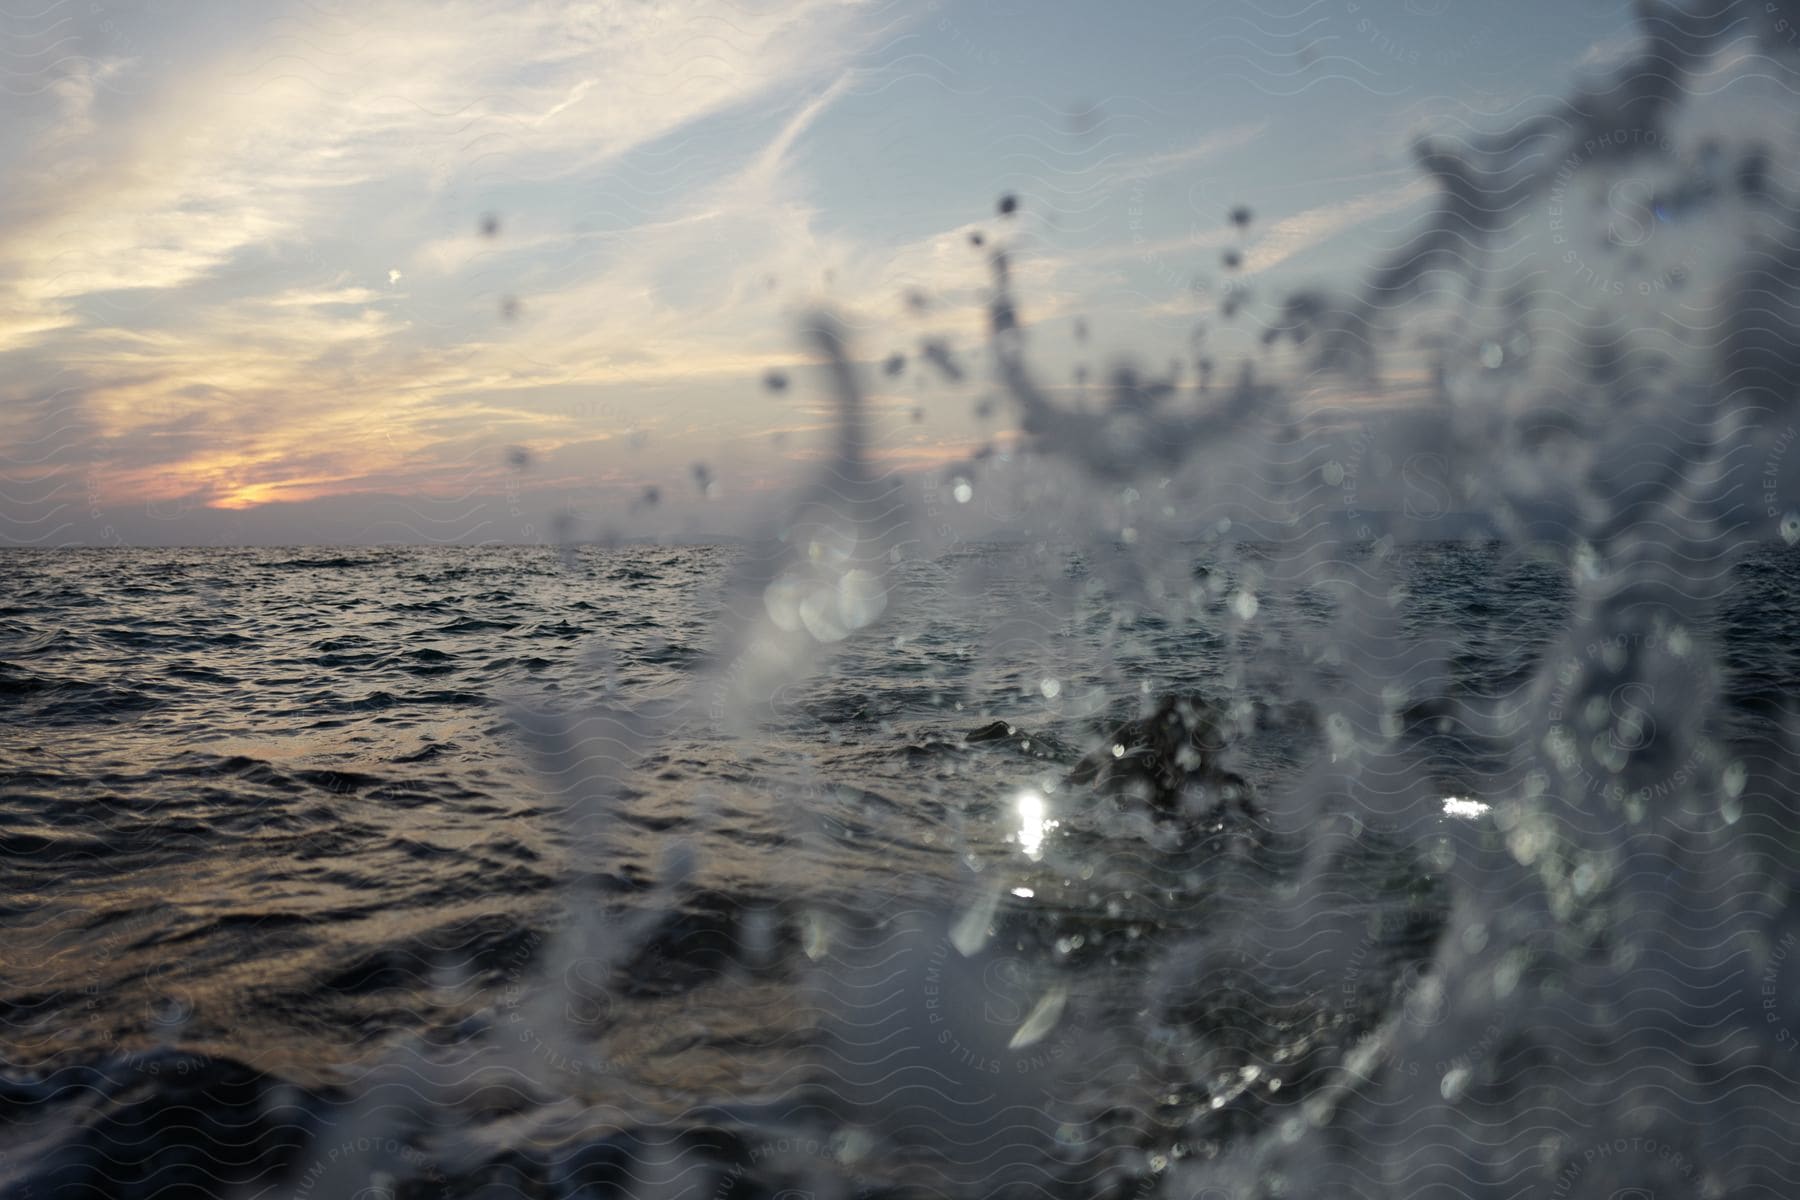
{"x":263,"y":253}
{"x":1288,"y":237}
{"x":220,"y":236}
{"x":1209,"y":147}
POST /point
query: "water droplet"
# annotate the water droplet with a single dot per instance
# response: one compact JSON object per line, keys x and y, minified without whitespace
{"x":1044,"y":1016}
{"x":1736,"y":775}
{"x":972,"y":929}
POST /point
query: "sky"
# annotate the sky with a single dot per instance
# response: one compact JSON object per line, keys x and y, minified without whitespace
{"x":436,"y":272}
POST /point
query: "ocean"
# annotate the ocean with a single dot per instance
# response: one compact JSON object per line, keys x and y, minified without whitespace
{"x":320,"y":876}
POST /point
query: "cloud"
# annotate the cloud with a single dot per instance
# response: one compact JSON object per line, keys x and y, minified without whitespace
{"x":1209,"y":147}
{"x":245,"y":260}
{"x":209,"y":221}
{"x":1288,"y":237}
{"x":1274,"y":242}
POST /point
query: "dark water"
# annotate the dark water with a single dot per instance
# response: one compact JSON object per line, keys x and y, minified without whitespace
{"x":266,"y":815}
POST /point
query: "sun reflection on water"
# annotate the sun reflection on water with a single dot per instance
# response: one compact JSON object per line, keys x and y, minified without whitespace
{"x":1033,"y":825}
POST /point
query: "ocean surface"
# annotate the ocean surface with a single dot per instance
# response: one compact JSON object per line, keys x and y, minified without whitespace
{"x":278,"y":823}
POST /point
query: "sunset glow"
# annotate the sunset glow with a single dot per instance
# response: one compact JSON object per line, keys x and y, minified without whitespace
{"x":297,"y":254}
